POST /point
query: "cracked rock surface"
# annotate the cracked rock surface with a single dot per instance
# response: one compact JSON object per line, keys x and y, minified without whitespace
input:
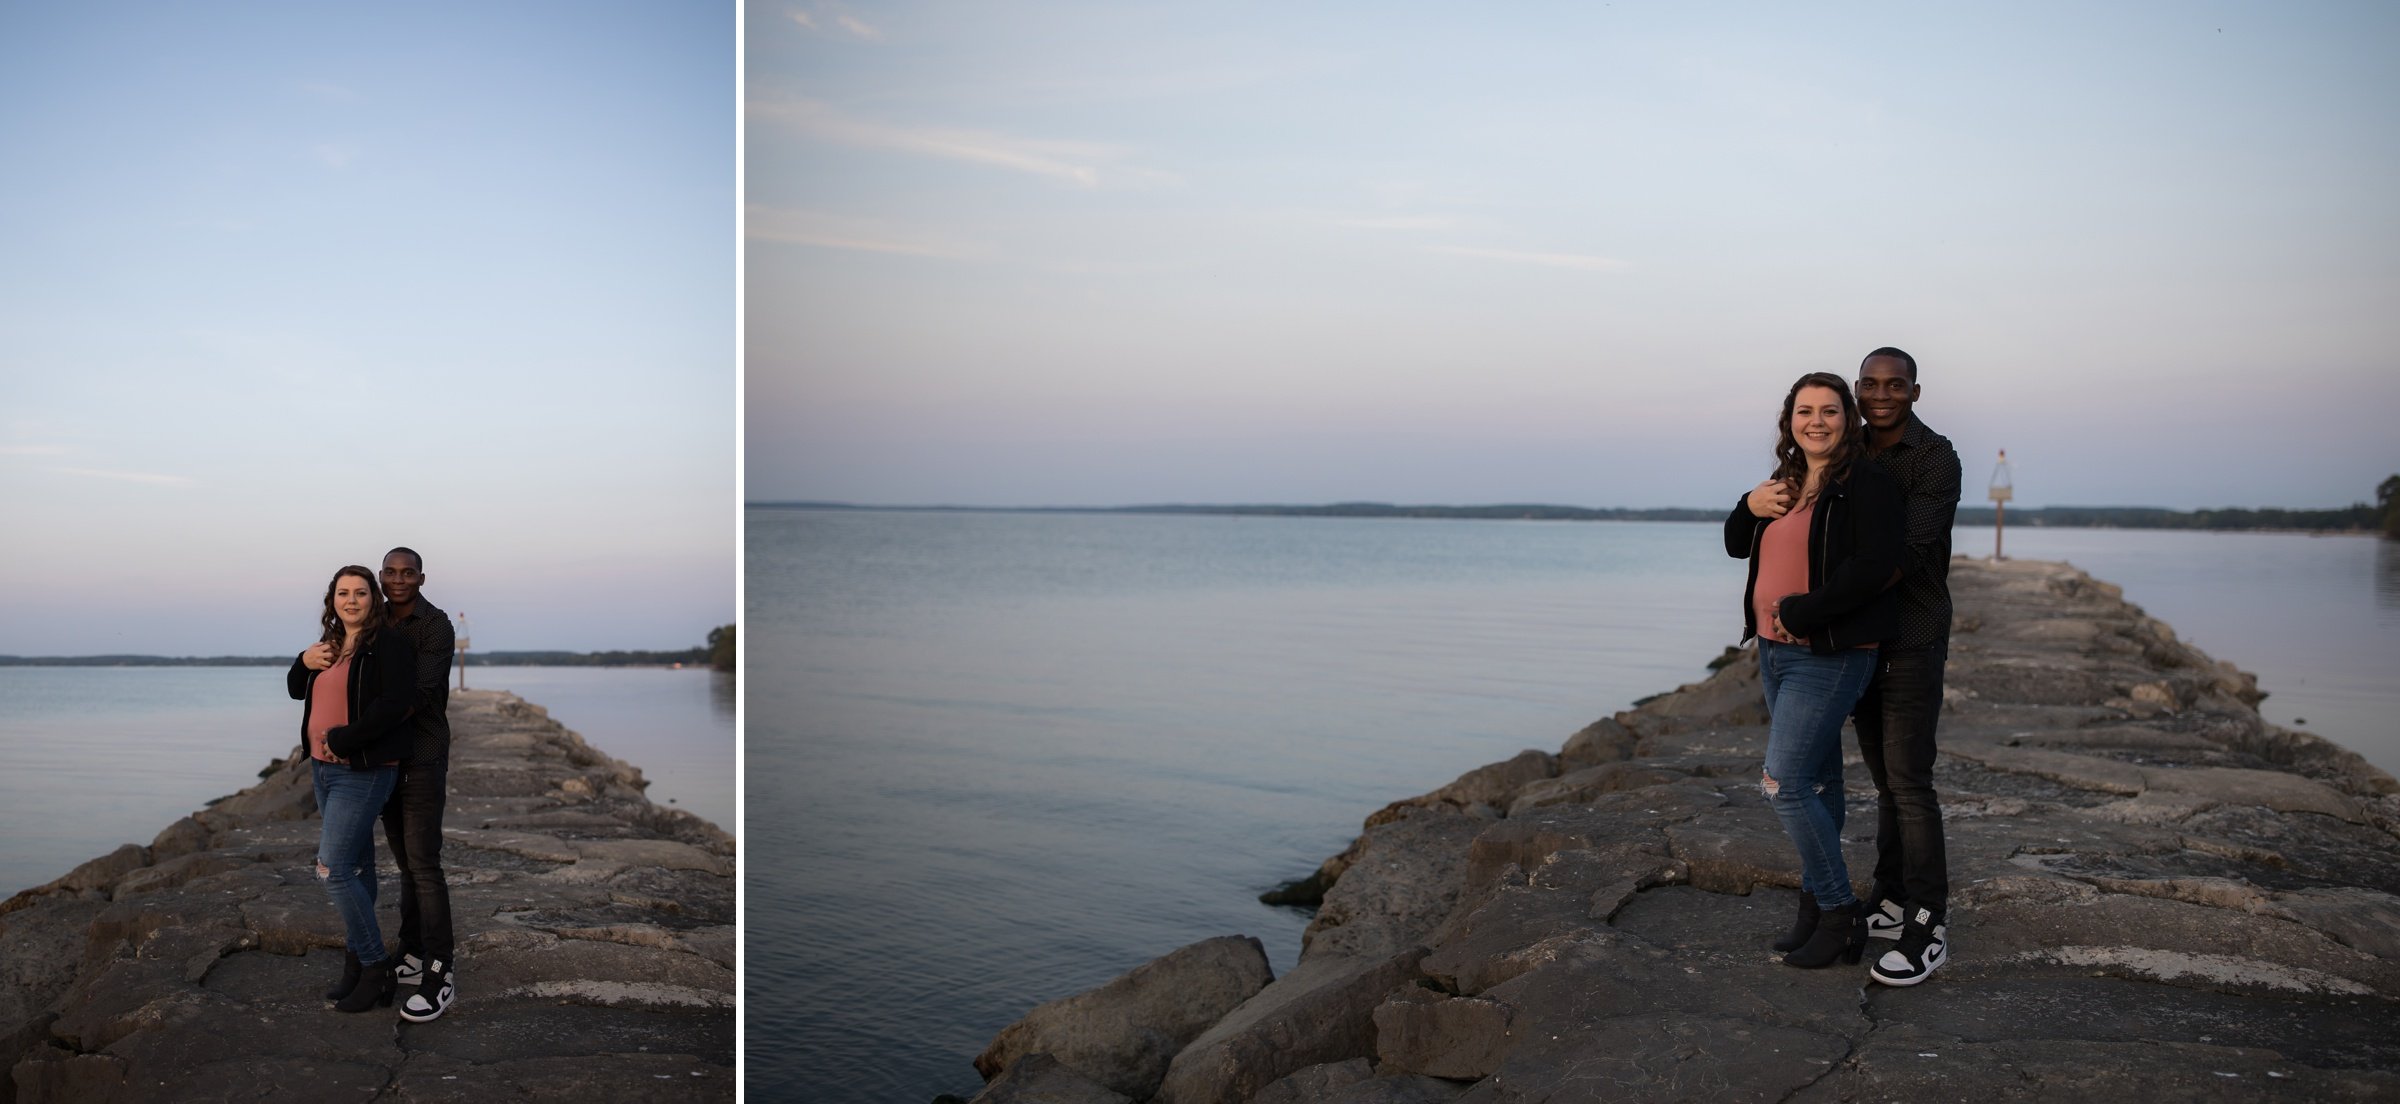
{"x":2154,"y":895}
{"x":595,"y":946}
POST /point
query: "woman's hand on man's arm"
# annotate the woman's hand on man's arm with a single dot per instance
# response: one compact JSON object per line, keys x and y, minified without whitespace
{"x":1770,"y":499}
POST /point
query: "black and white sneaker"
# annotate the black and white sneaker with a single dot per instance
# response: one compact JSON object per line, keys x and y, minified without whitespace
{"x":1923,"y":946}
{"x":1885,"y":920}
{"x":409,"y":971}
{"x":433,"y":996}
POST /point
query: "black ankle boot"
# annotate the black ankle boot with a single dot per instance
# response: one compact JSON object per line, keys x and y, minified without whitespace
{"x":374,"y":987}
{"x":349,"y":980}
{"x":1804,"y":926}
{"x":1841,"y":933}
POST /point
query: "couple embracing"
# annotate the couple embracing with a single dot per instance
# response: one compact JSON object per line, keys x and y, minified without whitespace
{"x":374,"y":718}
{"x":1849,"y":550}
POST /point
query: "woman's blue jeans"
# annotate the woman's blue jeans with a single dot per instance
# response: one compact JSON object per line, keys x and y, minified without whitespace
{"x":1808,"y":698}
{"x":351,"y":801}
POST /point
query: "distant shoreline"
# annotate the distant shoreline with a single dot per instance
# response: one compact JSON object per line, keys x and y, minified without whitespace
{"x":697,"y":657}
{"x":2358,"y":519}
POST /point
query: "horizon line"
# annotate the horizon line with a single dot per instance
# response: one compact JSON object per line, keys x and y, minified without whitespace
{"x":824,"y":504}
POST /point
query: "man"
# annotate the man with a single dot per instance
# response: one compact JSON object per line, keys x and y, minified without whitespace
{"x":412,"y":819}
{"x":1895,"y":717}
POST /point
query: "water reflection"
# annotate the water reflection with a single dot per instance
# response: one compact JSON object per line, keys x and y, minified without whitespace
{"x":720,"y":695}
{"x":2387,"y":574}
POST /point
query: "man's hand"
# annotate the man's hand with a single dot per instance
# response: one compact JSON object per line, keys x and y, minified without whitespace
{"x":318,"y":657}
{"x":1769,"y":499}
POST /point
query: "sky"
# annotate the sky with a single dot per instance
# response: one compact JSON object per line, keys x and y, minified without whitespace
{"x":1107,"y":254}
{"x":285,"y":285}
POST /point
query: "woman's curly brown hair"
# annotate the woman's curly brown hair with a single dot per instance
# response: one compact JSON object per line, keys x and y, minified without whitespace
{"x":335,"y":633}
{"x":1791,"y":465}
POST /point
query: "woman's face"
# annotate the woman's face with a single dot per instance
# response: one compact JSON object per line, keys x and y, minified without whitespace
{"x":350,"y":601}
{"x":1817,"y":421}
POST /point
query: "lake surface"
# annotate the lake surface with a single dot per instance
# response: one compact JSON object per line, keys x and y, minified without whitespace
{"x":995,"y":759}
{"x":104,"y":756}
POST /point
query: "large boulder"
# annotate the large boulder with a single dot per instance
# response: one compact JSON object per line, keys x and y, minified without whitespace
{"x":1323,"y":1011}
{"x":1487,"y":789}
{"x":1041,"y":1079}
{"x":1123,"y":1034}
{"x":1404,"y":879}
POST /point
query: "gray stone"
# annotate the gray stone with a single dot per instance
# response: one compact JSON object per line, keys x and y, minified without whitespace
{"x":1606,"y":740}
{"x":203,"y":977}
{"x":99,"y":874}
{"x":1399,"y":1088}
{"x":2154,"y":895}
{"x":1587,"y":783}
{"x":1041,"y":1079}
{"x":1312,"y":1084}
{"x":1123,"y":1034}
{"x":1404,"y":878}
{"x":1421,"y":1031}
{"x":1903,"y":1063}
{"x":1492,"y":785}
{"x":630,"y":1077}
{"x":183,"y":837}
{"x":1665,"y":1059}
{"x":1323,"y":1011}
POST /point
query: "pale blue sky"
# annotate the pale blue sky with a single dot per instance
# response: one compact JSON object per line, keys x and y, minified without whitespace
{"x":284,"y":285}
{"x":1098,"y":253}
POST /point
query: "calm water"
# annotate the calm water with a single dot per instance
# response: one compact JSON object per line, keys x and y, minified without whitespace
{"x":103,"y":756}
{"x":999,"y":758}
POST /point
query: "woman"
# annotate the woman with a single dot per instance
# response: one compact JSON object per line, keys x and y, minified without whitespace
{"x":350,"y":721}
{"x":1824,"y":540}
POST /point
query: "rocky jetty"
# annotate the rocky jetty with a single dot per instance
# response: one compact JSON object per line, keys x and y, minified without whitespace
{"x":596,"y":946}
{"x":2156,"y":896}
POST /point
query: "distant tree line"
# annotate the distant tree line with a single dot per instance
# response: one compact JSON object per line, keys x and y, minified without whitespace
{"x":1503,"y":512}
{"x":717,"y":653}
{"x":2355,"y":518}
{"x":2358,"y":518}
{"x":689,"y":657}
{"x":144,"y":661}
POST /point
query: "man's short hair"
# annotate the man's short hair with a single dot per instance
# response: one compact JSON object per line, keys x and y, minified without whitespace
{"x":1887,"y":351}
{"x":420,"y":560}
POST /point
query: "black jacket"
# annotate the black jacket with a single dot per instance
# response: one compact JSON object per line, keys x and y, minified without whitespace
{"x":436,"y":641}
{"x":1855,"y":541}
{"x":383,"y":679}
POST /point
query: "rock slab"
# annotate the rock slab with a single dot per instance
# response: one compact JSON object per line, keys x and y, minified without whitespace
{"x":2154,"y":895}
{"x":595,"y":959}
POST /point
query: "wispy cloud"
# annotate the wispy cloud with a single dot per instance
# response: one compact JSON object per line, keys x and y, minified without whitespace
{"x":327,"y":90}
{"x":815,"y":21}
{"x":791,"y":226}
{"x":1402,"y":222}
{"x":151,"y":478}
{"x":334,"y":155}
{"x":1584,"y":261}
{"x":1082,"y":164}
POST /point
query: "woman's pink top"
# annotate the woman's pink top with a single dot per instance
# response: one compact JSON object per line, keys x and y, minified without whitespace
{"x":328,"y":708}
{"x":1782,"y":567}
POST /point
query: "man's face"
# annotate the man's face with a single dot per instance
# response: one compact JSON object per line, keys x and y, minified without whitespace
{"x":1885,"y":396}
{"x":401,"y":578}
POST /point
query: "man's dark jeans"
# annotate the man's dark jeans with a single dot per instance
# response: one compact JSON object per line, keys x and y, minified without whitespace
{"x":412,"y":826}
{"x":1895,"y":720}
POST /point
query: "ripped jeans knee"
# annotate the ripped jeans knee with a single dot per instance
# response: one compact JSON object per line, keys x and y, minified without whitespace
{"x":1774,"y":789}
